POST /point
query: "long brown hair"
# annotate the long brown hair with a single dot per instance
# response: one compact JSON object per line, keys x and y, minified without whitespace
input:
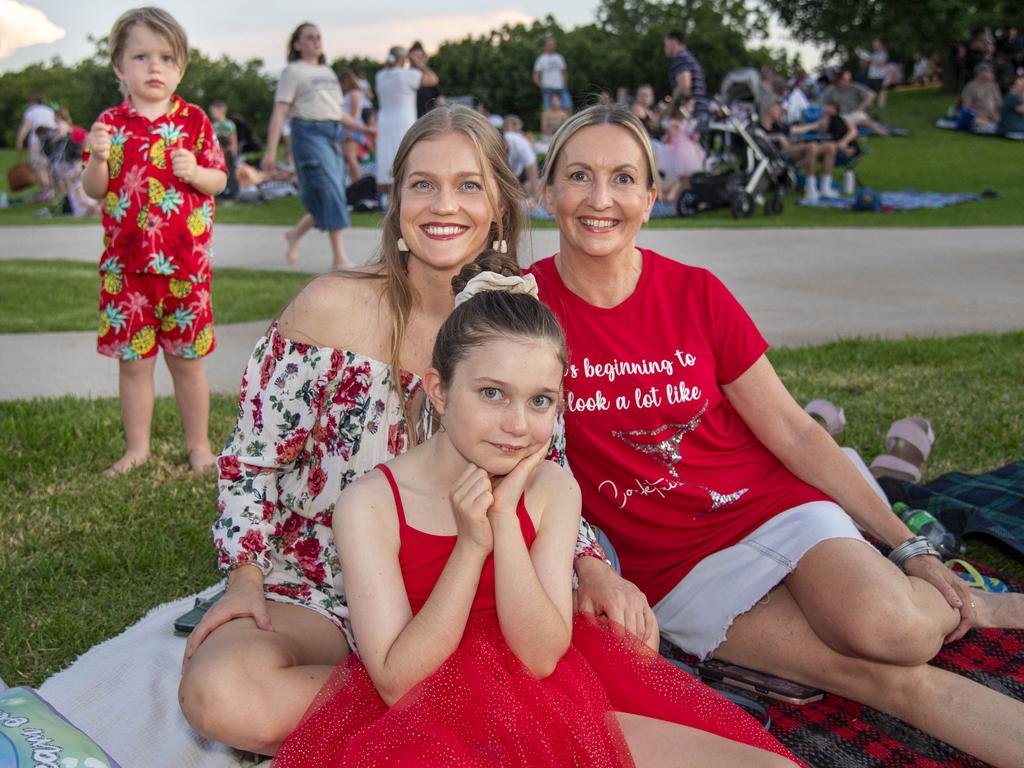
{"x":503,"y":191}
{"x":292,"y":53}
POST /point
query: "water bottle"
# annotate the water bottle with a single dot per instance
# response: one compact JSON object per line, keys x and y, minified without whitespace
{"x":921,"y":522}
{"x":849,"y":182}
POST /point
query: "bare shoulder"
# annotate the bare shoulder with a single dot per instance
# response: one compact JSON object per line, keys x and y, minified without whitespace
{"x":367,"y":505}
{"x":553,"y":486}
{"x":339,"y":311}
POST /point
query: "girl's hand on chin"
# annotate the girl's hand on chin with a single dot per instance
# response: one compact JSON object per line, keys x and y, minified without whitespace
{"x":471,"y":497}
{"x":509,"y":488}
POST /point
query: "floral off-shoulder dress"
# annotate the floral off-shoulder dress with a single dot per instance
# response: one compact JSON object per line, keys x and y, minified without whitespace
{"x":311,"y":420}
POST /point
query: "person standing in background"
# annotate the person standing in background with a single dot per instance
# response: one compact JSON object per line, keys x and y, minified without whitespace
{"x":551,"y":75}
{"x":37,"y":115}
{"x":427,"y":95}
{"x":397,"y":86}
{"x":227,"y":137}
{"x":309,"y":97}
{"x":686,"y":75}
{"x":878,"y":64}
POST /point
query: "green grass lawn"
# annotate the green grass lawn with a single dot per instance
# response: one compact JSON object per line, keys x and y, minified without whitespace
{"x":27,"y":289}
{"x":930,"y":160}
{"x":84,"y":557}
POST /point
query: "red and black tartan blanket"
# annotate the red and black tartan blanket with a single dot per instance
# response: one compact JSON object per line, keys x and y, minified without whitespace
{"x":839,"y":733}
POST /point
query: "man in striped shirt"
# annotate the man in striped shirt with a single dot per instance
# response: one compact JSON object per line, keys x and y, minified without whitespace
{"x":686,"y":75}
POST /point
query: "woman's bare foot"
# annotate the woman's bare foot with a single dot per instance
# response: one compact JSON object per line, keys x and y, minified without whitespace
{"x":201,"y":459}
{"x":126,"y":463}
{"x":292,"y":255}
{"x":1003,"y":609}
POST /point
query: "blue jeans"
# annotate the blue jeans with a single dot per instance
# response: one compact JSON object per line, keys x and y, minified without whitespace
{"x":321,"y":173}
{"x":562,"y":93}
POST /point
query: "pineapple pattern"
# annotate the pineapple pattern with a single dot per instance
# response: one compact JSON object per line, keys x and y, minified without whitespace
{"x":112,"y":280}
{"x":150,"y":311}
{"x":156,"y":227}
{"x":116,"y":161}
{"x":180,"y":288}
{"x":200,"y":219}
{"x":143,"y":195}
{"x":169,"y":134}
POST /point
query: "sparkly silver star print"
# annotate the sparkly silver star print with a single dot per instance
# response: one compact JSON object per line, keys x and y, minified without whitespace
{"x":719,"y":500}
{"x":667,"y":452}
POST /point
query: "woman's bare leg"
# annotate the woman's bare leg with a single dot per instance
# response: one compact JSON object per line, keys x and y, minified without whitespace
{"x":249,"y":688}
{"x":294,"y":235}
{"x":775,"y":637}
{"x":337,"y":239}
{"x":660,"y":744}
{"x":350,"y":151}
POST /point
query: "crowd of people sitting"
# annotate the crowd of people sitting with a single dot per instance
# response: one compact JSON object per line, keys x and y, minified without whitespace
{"x":814,"y":121}
{"x":989,"y":75}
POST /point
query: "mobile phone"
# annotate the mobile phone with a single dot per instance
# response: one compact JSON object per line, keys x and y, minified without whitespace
{"x":184,"y":624}
{"x":778,"y":688}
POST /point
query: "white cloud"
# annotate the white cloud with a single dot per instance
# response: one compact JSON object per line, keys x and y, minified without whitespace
{"x":22,"y":25}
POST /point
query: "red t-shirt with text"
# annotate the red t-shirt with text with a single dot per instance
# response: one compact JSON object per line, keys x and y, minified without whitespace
{"x":667,"y":467}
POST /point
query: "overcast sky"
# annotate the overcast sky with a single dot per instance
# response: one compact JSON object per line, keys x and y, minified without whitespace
{"x":34,"y":31}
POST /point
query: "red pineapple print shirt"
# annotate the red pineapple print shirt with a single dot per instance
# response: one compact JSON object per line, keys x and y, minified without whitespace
{"x":153,"y":222}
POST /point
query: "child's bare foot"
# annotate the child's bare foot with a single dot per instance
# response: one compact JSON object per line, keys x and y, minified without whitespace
{"x":126,"y":463}
{"x":1004,"y":609}
{"x":292,"y":255}
{"x":343,"y":264}
{"x":201,"y":460}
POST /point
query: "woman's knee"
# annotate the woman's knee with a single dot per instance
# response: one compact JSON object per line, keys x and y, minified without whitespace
{"x":901,"y":634}
{"x":223,"y":704}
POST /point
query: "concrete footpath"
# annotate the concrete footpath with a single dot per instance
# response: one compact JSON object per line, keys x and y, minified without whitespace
{"x":801,"y":286}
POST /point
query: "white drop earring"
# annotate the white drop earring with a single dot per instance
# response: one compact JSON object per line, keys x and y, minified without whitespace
{"x":402,"y":246}
{"x":501,"y":246}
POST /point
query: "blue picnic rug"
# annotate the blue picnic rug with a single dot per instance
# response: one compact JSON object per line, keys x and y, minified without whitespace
{"x":661,"y":210}
{"x":991,"y":503}
{"x":901,"y":200}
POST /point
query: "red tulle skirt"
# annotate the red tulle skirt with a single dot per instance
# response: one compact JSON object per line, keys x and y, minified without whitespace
{"x":483,"y":708}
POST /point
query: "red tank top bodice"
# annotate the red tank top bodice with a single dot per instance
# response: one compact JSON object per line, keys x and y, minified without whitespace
{"x":422,"y":556}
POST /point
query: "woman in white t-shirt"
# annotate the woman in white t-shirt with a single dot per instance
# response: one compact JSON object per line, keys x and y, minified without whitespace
{"x":37,"y":116}
{"x":396,"y":85}
{"x":309,"y":97}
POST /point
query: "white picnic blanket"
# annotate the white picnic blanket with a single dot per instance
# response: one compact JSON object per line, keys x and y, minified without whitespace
{"x":124,"y":694}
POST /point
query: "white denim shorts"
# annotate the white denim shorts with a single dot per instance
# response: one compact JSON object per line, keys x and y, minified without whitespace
{"x":697,"y":613}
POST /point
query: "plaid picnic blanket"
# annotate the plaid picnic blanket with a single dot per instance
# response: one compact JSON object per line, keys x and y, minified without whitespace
{"x":900,"y":200}
{"x":840,"y":733}
{"x":991,"y":504}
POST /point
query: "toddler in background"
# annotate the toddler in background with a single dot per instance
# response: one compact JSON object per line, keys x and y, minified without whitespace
{"x":156,"y":164}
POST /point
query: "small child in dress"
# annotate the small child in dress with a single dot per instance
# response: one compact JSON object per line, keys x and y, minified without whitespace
{"x":458,"y":559}
{"x":155,"y":163}
{"x":681,"y":156}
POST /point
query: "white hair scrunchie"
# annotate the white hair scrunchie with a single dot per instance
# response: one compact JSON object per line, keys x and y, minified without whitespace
{"x":492,"y":281}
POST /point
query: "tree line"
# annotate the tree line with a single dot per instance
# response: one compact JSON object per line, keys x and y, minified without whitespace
{"x":623,"y":46}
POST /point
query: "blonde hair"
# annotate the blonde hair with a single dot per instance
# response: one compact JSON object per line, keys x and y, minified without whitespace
{"x":600,"y":114}
{"x":158,"y":20}
{"x":503,"y":191}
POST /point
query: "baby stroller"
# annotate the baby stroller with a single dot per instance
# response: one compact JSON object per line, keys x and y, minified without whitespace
{"x":755,"y":171}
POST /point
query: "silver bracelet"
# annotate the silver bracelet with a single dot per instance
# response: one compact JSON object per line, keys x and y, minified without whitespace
{"x":912,"y":547}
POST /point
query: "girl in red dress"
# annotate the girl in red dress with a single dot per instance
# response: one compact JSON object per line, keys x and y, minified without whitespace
{"x":457,"y":558}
